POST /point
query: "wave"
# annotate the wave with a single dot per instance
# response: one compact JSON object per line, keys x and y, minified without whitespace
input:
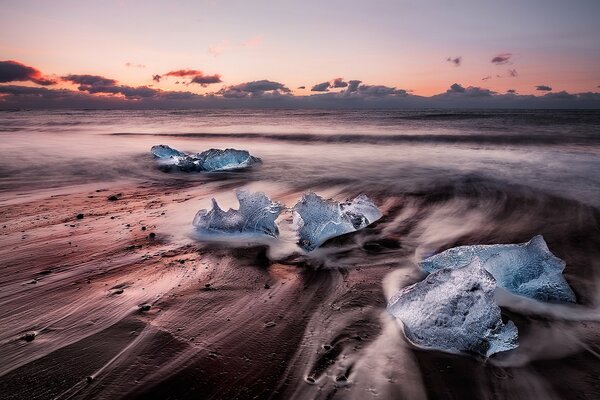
{"x":506,"y":139}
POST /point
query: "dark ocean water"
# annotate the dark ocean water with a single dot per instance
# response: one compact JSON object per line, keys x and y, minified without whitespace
{"x":441,"y":178}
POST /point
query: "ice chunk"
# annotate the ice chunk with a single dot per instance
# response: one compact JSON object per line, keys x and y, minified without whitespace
{"x":224,"y":160}
{"x":256,"y":216}
{"x":316,"y":220}
{"x":526,"y":269}
{"x":453,"y":310}
{"x":165,"y":152}
{"x":209,"y":160}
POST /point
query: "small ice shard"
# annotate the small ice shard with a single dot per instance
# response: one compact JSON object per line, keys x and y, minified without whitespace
{"x":256,"y":216}
{"x":225,"y":160}
{"x":453,"y":310}
{"x":316,"y":220}
{"x":166,"y":152}
{"x":526,"y":269}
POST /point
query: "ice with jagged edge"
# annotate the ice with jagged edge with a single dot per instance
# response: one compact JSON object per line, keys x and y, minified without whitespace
{"x":453,"y":310}
{"x":316,"y":219}
{"x":526,"y":269}
{"x":255,"y":217}
{"x":224,"y":160}
{"x":209,"y":160}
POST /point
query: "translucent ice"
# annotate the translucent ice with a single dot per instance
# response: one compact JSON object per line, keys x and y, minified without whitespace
{"x":526,"y":269}
{"x":256,"y":216}
{"x":209,"y":160}
{"x":165,"y":152}
{"x":316,"y":220}
{"x":223,"y":160}
{"x":453,"y":310}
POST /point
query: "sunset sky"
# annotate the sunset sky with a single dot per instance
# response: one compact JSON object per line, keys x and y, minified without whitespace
{"x":422,"y":47}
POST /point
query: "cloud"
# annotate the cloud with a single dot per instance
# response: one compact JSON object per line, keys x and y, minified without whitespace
{"x":339,"y":83}
{"x":353,"y":86}
{"x":269,"y":94}
{"x":89,"y":80}
{"x":456,"y":61}
{"x":513,"y":73}
{"x":456,"y":88}
{"x":321,"y":87}
{"x":254,"y":88}
{"x":501,"y":59}
{"x":485,"y":78}
{"x":205,"y":80}
{"x":13,"y":71}
{"x":543,"y":88}
{"x":132,"y":65}
{"x":380,"y":91}
{"x":301,"y":87}
{"x":98,"y":84}
{"x":511,"y":91}
{"x":196,"y":75}
{"x":182,"y":73}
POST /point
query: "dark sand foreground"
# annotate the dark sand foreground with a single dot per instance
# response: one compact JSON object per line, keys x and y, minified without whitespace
{"x":118,"y":304}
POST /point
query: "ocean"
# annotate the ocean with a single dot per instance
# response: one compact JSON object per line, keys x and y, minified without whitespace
{"x":240,"y":320}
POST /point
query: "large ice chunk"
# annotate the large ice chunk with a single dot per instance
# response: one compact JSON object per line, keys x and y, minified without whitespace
{"x":224,"y":160}
{"x":316,"y":219}
{"x":209,"y":160}
{"x":526,"y":269}
{"x":256,"y":216}
{"x":453,"y":310}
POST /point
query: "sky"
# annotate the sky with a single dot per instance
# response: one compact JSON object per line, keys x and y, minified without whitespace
{"x":405,"y":49}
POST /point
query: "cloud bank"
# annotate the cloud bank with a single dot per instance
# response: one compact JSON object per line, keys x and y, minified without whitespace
{"x":96,"y":91}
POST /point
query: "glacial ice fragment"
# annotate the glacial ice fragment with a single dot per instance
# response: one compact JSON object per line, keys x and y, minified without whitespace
{"x":316,"y":220}
{"x":223,"y":160}
{"x":256,"y":216}
{"x":165,"y":152}
{"x":526,"y":269}
{"x":453,"y":310}
{"x":209,"y":160}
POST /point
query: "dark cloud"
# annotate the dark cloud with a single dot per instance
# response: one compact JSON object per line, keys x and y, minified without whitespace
{"x":543,"y":88}
{"x":254,"y":88}
{"x":132,"y":65}
{"x":89,"y":80}
{"x":353,"y":86}
{"x":456,"y":88}
{"x":485,"y":78}
{"x":339,"y":83}
{"x":456,"y":61}
{"x":205,"y":80}
{"x":196,"y":75}
{"x":272,"y":95}
{"x":511,"y":91}
{"x":13,"y":71}
{"x":98,"y":84}
{"x":513,"y":73}
{"x":301,"y":87}
{"x":321,"y":87}
{"x":41,"y":92}
{"x":501,"y":59}
{"x":380,"y":91}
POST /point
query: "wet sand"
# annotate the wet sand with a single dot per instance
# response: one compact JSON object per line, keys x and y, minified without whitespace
{"x":125,"y":302}
{"x":122,"y":307}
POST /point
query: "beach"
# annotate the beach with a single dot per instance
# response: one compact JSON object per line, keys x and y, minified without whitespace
{"x":106,"y":292}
